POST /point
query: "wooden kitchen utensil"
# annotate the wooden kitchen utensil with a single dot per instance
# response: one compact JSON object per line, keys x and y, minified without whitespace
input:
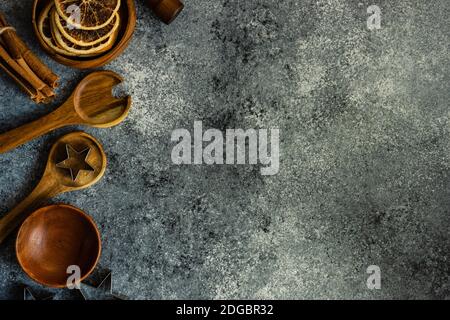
{"x":91,"y":104}
{"x":76,"y":161}
{"x":67,"y":237}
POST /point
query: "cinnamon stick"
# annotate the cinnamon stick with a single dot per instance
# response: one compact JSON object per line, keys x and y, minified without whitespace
{"x":35,"y":83}
{"x":34,"y":95}
{"x":8,"y":38}
{"x":24,"y":66}
{"x":44,"y":72}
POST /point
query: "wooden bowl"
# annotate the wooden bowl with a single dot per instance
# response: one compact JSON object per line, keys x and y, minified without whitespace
{"x":54,"y":238}
{"x":128,"y":15}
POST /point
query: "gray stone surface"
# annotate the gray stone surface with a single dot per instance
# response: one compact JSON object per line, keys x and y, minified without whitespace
{"x":364,"y":178}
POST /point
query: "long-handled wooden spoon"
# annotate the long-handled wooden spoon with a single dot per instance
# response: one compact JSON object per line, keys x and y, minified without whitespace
{"x":91,"y":104}
{"x":76,"y":161}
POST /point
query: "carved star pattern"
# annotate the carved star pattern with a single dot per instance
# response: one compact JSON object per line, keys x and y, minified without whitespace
{"x":76,"y":161}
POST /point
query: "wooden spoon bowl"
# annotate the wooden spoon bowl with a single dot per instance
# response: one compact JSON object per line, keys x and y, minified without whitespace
{"x":94,"y":102}
{"x":54,"y":238}
{"x":78,"y":141}
{"x":128,"y":24}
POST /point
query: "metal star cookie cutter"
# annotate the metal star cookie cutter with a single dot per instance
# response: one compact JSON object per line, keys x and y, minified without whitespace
{"x":76,"y":161}
{"x":104,"y":291}
{"x":28,"y":294}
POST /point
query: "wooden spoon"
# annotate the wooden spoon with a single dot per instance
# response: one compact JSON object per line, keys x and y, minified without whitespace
{"x":76,"y":161}
{"x":91,"y":104}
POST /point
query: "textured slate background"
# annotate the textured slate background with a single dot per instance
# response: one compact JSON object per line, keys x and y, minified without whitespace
{"x":364,"y":179}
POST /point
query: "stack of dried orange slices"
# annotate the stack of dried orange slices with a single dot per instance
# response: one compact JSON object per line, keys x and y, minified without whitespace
{"x":80,"y":28}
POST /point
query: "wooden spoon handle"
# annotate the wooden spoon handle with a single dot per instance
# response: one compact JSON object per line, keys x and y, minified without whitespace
{"x":15,"y":217}
{"x":14,"y":138}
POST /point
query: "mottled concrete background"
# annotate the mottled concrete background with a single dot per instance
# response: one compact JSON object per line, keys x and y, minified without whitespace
{"x":365,"y":163}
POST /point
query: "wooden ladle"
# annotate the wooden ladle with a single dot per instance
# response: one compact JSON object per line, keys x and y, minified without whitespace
{"x":91,"y":104}
{"x":76,"y":152}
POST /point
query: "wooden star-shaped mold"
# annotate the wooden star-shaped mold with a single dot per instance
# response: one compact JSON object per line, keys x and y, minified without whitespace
{"x":76,"y":161}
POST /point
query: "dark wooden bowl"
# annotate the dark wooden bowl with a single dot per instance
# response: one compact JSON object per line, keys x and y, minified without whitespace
{"x":128,"y":15}
{"x":54,"y":238}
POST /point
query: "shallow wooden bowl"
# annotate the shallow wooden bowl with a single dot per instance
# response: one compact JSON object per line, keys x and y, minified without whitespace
{"x":54,"y":238}
{"x":128,"y":15}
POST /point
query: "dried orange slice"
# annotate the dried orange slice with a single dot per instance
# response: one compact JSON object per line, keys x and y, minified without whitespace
{"x":87,"y":14}
{"x":74,"y":49}
{"x":85,"y":38}
{"x":45,"y":30}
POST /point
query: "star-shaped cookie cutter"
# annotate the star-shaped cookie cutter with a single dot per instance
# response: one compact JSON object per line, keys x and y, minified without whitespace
{"x":76,"y":161}
{"x":104,"y":291}
{"x":29,"y":295}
